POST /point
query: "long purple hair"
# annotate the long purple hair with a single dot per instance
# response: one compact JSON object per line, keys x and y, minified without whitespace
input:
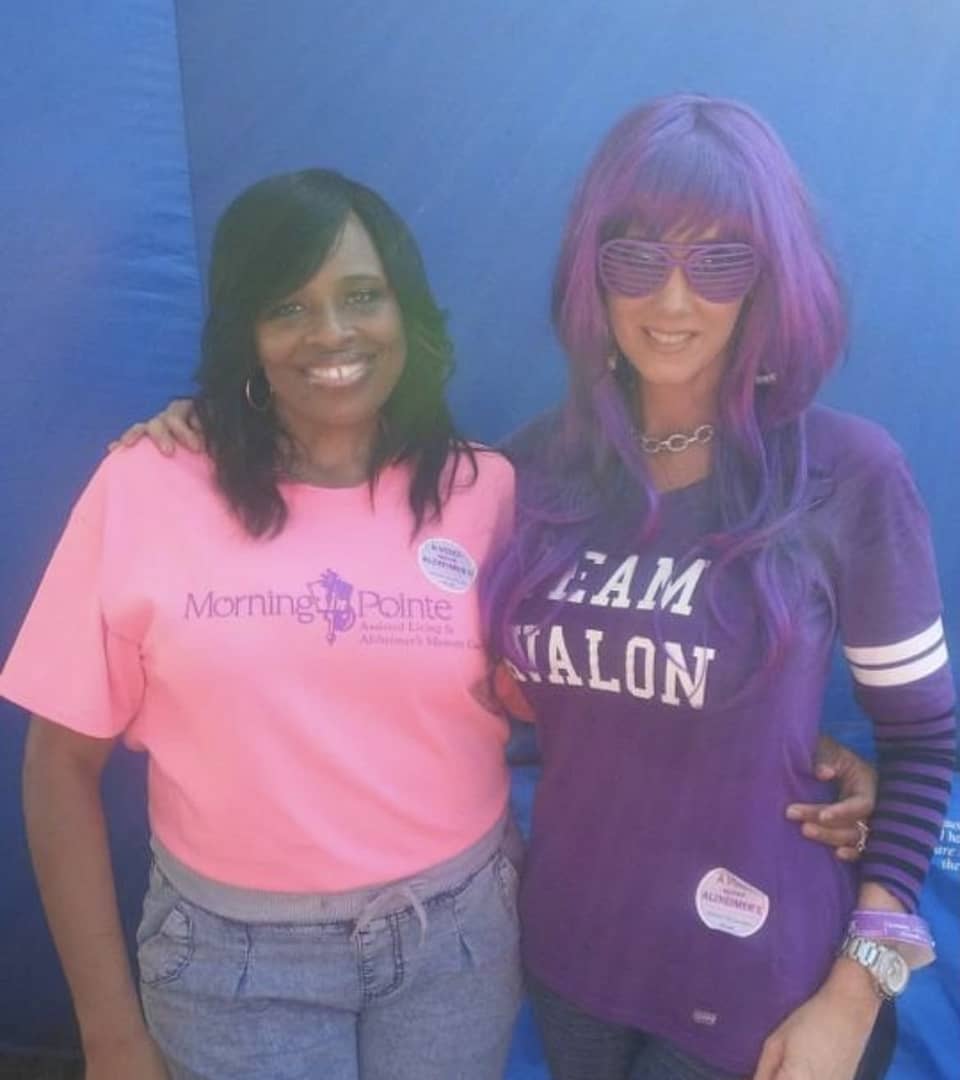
{"x":681,"y":164}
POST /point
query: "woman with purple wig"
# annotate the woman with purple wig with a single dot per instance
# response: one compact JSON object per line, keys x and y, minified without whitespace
{"x":693,"y":534}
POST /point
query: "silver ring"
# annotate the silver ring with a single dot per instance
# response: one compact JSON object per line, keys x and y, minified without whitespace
{"x":864,"y":833}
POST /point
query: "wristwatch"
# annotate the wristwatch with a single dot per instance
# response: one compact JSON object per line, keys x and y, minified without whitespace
{"x":888,"y":968}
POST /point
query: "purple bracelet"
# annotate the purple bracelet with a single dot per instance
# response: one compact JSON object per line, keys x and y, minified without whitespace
{"x":908,"y":934}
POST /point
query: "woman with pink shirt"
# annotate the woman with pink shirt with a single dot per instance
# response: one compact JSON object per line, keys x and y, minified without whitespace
{"x":287,"y":624}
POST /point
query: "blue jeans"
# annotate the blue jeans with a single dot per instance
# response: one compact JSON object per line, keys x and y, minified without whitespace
{"x":581,"y":1047}
{"x":425,"y":991}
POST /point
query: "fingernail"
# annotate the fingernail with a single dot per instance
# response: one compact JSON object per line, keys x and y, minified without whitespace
{"x":793,"y":813}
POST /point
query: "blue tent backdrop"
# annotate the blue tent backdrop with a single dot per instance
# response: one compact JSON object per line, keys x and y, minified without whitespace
{"x":128,"y":126}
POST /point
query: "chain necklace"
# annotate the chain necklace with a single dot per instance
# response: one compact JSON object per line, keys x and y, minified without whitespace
{"x":678,"y":442}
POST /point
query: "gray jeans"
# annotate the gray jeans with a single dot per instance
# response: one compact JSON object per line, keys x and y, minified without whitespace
{"x":424,"y":990}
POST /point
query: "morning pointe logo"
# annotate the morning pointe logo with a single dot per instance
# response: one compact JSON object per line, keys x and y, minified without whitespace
{"x":329,"y":597}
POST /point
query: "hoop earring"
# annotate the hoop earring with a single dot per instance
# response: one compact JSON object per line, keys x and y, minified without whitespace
{"x":248,"y":394}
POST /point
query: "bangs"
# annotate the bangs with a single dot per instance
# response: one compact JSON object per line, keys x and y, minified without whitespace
{"x":271,"y":240}
{"x":299,"y":246}
{"x":682,"y":188}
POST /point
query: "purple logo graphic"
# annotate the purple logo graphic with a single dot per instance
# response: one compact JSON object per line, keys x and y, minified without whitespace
{"x":332,"y":596}
{"x":340,"y":604}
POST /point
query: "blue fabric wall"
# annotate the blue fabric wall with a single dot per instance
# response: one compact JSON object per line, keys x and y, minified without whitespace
{"x":475,"y":119}
{"x":99,"y":307}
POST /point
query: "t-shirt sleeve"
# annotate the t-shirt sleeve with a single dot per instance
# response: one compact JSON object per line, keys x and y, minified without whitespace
{"x":891,"y":629}
{"x":67,"y":665}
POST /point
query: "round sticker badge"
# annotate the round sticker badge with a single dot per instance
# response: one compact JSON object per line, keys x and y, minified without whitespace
{"x":447,"y":564}
{"x":731,"y":905}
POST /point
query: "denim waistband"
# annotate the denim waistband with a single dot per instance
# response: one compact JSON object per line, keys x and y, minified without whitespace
{"x":374,"y":901}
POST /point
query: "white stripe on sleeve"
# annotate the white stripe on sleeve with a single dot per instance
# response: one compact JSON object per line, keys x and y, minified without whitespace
{"x":876,"y":655}
{"x":901,"y":674}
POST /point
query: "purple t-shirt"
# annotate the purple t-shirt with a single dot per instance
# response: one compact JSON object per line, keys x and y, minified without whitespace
{"x":664,"y":889}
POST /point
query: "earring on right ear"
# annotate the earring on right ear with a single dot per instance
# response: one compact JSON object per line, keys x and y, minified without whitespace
{"x":765,"y":378}
{"x":613,"y":359}
{"x":264,"y":403}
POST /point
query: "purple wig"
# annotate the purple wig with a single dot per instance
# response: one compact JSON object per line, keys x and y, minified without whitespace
{"x":682,"y":164}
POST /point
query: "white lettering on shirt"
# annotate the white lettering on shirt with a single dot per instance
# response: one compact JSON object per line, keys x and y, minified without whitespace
{"x":663,"y":582}
{"x":644,"y":688}
{"x":616,"y":591}
{"x":677,"y":673}
{"x":663,"y":589}
{"x":596,"y":681}
{"x":525,"y":638}
{"x":562,"y":671}
{"x":576,"y":573}
{"x":648,"y":668}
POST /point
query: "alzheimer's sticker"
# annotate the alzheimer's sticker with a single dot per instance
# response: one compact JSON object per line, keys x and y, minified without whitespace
{"x":731,"y":905}
{"x":448,"y":565}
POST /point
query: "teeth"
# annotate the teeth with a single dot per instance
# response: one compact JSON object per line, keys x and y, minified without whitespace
{"x":337,"y":374}
{"x":663,"y":338}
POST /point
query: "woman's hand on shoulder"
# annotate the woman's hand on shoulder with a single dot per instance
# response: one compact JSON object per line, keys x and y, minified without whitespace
{"x":840,"y":824}
{"x":176,"y":426}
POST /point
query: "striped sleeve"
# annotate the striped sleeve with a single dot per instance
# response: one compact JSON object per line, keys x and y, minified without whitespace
{"x":891,"y":627}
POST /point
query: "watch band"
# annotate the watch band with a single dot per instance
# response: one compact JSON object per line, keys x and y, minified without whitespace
{"x":889,"y":969}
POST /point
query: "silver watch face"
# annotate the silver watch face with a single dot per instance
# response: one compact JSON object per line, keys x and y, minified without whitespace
{"x":892,"y":971}
{"x":886,"y":965}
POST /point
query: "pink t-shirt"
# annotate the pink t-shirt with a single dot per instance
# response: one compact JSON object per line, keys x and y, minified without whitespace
{"x":307,"y":702}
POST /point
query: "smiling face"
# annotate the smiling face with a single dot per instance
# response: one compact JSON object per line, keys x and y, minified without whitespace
{"x":673,"y":337}
{"x":333,"y":350}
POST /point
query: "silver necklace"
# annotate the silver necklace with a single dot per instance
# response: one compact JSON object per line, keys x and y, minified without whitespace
{"x":678,"y":442}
